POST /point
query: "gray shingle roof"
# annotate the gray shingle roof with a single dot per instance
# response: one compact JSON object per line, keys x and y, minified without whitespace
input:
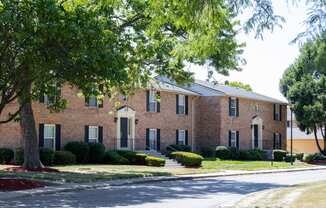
{"x":169,"y":87}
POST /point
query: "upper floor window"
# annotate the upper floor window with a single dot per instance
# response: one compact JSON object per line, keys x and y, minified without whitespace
{"x":93,"y":101}
{"x":277,"y":112}
{"x":49,"y":136}
{"x":182,"y":104}
{"x":152,"y":103}
{"x":233,"y":107}
{"x":50,"y":99}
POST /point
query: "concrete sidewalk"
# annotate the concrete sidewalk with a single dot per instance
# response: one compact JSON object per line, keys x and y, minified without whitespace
{"x":101,"y":184}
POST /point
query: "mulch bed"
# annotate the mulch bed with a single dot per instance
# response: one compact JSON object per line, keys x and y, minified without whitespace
{"x":19,"y":169}
{"x":19,"y":184}
{"x":318,"y":162}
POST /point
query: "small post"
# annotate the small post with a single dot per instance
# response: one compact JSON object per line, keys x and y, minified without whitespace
{"x":291,"y":134}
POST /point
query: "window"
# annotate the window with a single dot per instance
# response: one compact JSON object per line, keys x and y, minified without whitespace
{"x":277,"y":141}
{"x":92,"y":101}
{"x":233,"y":107}
{"x":93,"y":134}
{"x":49,"y":100}
{"x":182,"y":137}
{"x":152,"y":101}
{"x":152,"y":138}
{"x":233,"y":139}
{"x":181,"y":104}
{"x":49,"y":136}
{"x":277,"y":111}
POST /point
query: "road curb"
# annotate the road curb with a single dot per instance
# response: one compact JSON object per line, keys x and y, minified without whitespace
{"x":121,"y":182}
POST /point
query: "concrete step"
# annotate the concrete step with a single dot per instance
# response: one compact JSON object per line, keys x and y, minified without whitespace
{"x":168,"y":162}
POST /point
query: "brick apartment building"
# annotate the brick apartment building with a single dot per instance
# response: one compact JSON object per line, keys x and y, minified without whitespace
{"x":198,"y":115}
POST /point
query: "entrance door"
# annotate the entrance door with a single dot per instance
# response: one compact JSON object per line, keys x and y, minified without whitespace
{"x":256,"y":136}
{"x":152,"y":139}
{"x":123,"y":132}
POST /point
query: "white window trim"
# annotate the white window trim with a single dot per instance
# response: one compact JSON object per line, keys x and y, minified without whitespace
{"x":235,"y":139}
{"x":48,"y":138}
{"x":93,"y":138}
{"x":233,"y":108}
{"x":152,"y":100}
{"x":154,"y":133}
{"x":182,"y":104}
{"x":182,"y":141}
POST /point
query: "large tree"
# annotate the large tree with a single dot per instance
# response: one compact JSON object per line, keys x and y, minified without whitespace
{"x":304,"y":84}
{"x":239,"y":85}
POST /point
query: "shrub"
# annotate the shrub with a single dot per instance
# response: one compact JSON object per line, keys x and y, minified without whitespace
{"x":64,"y":158}
{"x":177,"y":147}
{"x":289,"y":158}
{"x":79,"y":149}
{"x":223,"y":153}
{"x":154,"y":161}
{"x":112,"y":157}
{"x":279,"y":154}
{"x":235,"y":154}
{"x":188,"y":159}
{"x":313,"y":157}
{"x":6,"y":155}
{"x":96,"y":152}
{"x":256,"y":154}
{"x":207,"y":152}
{"x":134,"y":158}
{"x":46,"y":156}
{"x":299,"y":156}
{"x":19,"y":156}
{"x":243,"y":155}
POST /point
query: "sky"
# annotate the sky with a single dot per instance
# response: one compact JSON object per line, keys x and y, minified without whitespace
{"x":267,"y":59}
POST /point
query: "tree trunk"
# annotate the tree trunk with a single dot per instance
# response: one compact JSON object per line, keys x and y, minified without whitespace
{"x":322,"y":151}
{"x":27,"y":124}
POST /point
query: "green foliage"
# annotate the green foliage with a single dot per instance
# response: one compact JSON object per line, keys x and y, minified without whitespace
{"x":299,"y":156}
{"x":46,"y":156}
{"x":134,"y":158}
{"x":155,"y":161}
{"x":96,"y":152}
{"x":223,"y":153}
{"x":188,"y":159}
{"x":313,"y":157}
{"x":6,"y":155}
{"x":235,"y":153}
{"x":208,"y":152}
{"x":79,"y":149}
{"x":113,"y":157}
{"x":279,"y":154}
{"x":19,"y":156}
{"x":244,"y":155}
{"x":239,"y":85}
{"x":289,"y":158}
{"x":64,"y":158}
{"x":256,"y":154}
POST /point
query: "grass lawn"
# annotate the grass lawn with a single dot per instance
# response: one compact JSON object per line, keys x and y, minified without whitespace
{"x":304,"y":195}
{"x":89,"y":173}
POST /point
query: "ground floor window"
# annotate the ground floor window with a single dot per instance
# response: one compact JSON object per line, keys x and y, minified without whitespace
{"x":49,"y":136}
{"x":93,"y":134}
{"x":233,"y":139}
{"x":182,"y":137}
{"x":152,"y":138}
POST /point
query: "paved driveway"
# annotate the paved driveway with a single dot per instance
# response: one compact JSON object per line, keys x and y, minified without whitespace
{"x":201,"y":193}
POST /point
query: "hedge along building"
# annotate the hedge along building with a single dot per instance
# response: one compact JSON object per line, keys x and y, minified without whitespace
{"x":199,"y":115}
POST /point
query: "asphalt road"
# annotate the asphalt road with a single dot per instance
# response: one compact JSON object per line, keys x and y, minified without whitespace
{"x":201,"y":193}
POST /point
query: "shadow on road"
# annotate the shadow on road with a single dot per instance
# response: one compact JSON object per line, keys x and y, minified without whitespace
{"x":133,"y":195}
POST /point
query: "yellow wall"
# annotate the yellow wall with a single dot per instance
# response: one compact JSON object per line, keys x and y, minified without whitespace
{"x":304,"y":145}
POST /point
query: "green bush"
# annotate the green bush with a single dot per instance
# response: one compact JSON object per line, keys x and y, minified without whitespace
{"x":6,"y":155}
{"x":113,"y":157}
{"x":188,"y":159}
{"x":289,"y":158}
{"x":223,"y":153}
{"x":207,"y":152}
{"x":279,"y":154}
{"x":154,"y":161}
{"x":46,"y":156}
{"x":313,"y":157}
{"x":64,"y":158}
{"x":134,"y":158}
{"x":244,"y":155}
{"x":96,"y":152}
{"x":256,"y":154}
{"x":79,"y":149}
{"x":19,"y":156}
{"x":178,"y":147}
{"x":299,"y":156}
{"x":235,"y":153}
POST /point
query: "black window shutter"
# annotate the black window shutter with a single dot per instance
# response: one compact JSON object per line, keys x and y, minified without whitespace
{"x":177,"y":137}
{"x":158,"y":102}
{"x":230,"y":100}
{"x":274,"y":110}
{"x":57,"y":137}
{"x":238,"y":142}
{"x":186,"y":136}
{"x":158,"y":139}
{"x":177,"y":103}
{"x":147,"y":100}
{"x":100,"y":134}
{"x":274,"y":140}
{"x":237,"y":105}
{"x":280,"y":113}
{"x":229,"y":138}
{"x":86,"y":134}
{"x":86,"y":101}
{"x":280,"y":142}
{"x":186,"y":105}
{"x":41,"y":135}
{"x":147,"y":139}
